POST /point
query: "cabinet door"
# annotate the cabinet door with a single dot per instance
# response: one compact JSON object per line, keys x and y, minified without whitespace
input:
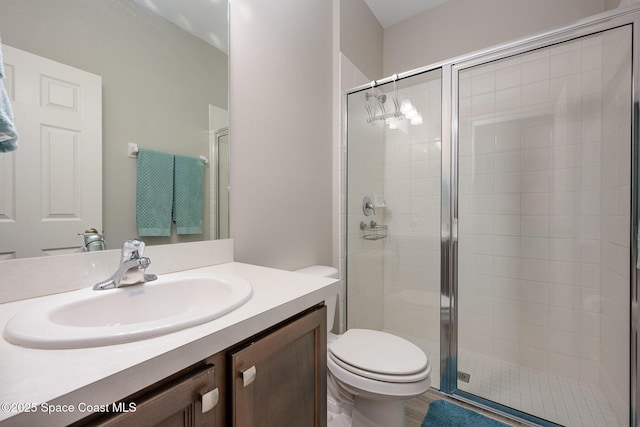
{"x":185,"y":402}
{"x":280,"y":379}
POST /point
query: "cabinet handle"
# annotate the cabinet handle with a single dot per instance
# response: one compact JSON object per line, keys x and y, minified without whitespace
{"x":209,"y":400}
{"x":249,"y":375}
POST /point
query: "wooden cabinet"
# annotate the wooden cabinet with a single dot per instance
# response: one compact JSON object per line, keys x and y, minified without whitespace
{"x":280,"y":379}
{"x":274,"y":379}
{"x":191,"y":398}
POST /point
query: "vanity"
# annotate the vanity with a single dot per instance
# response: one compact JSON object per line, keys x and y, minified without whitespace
{"x":267,"y":357}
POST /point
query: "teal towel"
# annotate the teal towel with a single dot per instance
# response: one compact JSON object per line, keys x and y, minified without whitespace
{"x":8,"y":134}
{"x":188,"y":194}
{"x":154,"y":193}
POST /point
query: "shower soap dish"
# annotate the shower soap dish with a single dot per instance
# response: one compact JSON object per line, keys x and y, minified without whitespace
{"x":373,"y":231}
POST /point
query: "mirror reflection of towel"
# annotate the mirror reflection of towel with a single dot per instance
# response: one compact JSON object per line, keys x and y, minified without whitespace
{"x":8,"y":134}
{"x":188,"y":194}
{"x":154,"y":197}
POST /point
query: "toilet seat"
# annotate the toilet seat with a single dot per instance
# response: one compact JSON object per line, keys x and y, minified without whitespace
{"x":381,"y":377}
{"x":379,"y":356}
{"x":359,"y":385}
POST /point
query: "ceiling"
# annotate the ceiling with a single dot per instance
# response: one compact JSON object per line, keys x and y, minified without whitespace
{"x":205,"y":19}
{"x":391,"y":12}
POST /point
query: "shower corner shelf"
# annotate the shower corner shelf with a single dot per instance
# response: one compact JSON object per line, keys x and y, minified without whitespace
{"x":373,"y":231}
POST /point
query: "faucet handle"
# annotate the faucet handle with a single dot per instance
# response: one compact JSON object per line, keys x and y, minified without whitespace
{"x":367,"y":206}
{"x":132,"y":249}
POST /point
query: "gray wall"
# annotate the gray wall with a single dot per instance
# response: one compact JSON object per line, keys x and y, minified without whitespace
{"x":281,"y":132}
{"x":462,"y":26}
{"x":281,"y":110}
{"x":361,"y":37}
{"x":157,"y":84}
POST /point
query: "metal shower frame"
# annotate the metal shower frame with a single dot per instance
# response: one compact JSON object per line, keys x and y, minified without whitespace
{"x":449,"y":195}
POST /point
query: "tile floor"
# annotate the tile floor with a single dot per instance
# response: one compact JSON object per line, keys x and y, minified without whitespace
{"x":547,"y":396}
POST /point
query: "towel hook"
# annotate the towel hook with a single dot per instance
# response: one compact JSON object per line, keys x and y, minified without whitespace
{"x":396,"y":103}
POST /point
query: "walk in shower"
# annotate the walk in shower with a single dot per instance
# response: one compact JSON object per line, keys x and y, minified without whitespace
{"x":491,"y":214}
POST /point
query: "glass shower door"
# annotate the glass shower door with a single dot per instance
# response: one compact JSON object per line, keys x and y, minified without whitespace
{"x":393,"y":248}
{"x":544,"y":173}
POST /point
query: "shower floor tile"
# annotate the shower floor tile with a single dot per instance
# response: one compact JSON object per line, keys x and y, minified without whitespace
{"x":547,"y":396}
{"x":551,"y":397}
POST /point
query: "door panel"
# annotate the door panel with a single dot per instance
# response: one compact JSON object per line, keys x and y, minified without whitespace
{"x":51,"y":187}
{"x":544,"y":166}
{"x":280,"y":379}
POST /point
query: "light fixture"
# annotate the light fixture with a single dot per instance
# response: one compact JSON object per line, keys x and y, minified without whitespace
{"x":417,"y":120}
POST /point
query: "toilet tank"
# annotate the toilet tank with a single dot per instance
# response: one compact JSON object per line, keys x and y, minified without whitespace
{"x":330,"y":272}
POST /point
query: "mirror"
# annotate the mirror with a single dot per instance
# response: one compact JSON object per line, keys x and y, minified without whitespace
{"x":164,"y":87}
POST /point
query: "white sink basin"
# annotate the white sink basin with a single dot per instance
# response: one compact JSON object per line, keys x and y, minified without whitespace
{"x":88,"y":318}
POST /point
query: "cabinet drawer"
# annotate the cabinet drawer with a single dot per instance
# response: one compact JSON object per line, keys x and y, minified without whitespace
{"x":179,"y":403}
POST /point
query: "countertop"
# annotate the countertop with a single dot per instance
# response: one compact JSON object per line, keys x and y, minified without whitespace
{"x":102,"y":375}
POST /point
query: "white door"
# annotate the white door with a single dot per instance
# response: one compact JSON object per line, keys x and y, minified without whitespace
{"x":51,"y":187}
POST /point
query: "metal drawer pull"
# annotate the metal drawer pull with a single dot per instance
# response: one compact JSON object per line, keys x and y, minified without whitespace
{"x":249,"y":375}
{"x":210,"y":400}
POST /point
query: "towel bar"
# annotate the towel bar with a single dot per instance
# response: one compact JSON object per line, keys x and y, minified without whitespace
{"x":132,"y":151}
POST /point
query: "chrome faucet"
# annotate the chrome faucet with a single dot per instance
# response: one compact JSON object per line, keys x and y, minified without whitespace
{"x":131,"y":269}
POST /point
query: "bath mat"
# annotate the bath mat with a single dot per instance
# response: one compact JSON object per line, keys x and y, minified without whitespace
{"x":445,"y":414}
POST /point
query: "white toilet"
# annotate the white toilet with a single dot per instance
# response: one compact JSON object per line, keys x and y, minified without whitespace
{"x":370,"y":373}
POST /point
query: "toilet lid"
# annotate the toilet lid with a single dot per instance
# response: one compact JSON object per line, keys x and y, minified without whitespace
{"x":378,"y":352}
